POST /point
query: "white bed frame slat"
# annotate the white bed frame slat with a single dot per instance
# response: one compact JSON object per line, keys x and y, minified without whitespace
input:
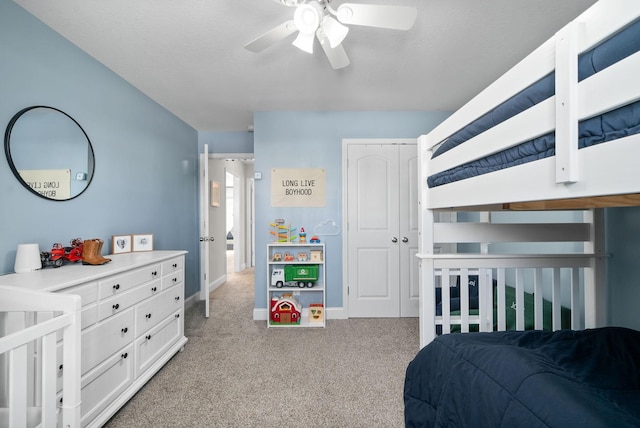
{"x":22,"y":372}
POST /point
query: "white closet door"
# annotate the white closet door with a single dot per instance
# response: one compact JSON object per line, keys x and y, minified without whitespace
{"x":408,"y":230}
{"x":373,"y":227}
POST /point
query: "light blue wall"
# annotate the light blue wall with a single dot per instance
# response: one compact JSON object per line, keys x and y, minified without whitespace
{"x":314,"y":140}
{"x":146,"y":159}
{"x":226,"y":142}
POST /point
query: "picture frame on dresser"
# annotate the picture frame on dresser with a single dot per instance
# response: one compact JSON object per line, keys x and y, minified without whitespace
{"x":143,"y":242}
{"x":121,"y":244}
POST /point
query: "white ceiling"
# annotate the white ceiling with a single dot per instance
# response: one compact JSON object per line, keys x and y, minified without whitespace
{"x":188,"y":55}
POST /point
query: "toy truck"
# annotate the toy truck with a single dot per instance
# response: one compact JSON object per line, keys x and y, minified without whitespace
{"x":292,"y":275}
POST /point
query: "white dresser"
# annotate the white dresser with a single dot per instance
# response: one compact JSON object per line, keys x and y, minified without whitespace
{"x":132,"y":322}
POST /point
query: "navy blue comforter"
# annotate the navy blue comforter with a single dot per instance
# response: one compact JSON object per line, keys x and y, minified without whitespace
{"x":588,"y":378}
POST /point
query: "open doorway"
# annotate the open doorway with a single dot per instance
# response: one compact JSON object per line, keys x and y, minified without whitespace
{"x":231,"y":219}
{"x":232,"y":211}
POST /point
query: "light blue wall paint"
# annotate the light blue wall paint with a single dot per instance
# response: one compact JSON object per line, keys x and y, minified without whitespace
{"x":623,"y":273}
{"x":146,"y":159}
{"x":226,"y":142}
{"x":314,"y":140}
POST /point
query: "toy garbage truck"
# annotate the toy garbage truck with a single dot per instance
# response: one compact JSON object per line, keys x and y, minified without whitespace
{"x":291,"y":275}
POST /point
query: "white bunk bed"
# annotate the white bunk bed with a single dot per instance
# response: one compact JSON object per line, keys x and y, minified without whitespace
{"x":503,"y":376}
{"x":597,"y":176}
{"x":36,"y":392}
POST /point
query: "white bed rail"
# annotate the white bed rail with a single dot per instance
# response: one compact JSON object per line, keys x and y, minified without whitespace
{"x":565,"y":275}
{"x":544,"y":278}
{"x":30,"y":389}
{"x":565,"y":175}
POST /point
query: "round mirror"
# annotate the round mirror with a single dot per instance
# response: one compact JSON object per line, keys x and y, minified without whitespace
{"x":49,"y":153}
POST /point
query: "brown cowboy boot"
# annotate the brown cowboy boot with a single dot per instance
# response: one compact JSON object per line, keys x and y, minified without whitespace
{"x":91,"y":253}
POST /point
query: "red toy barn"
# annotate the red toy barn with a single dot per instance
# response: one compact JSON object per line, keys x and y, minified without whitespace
{"x":285,"y":310}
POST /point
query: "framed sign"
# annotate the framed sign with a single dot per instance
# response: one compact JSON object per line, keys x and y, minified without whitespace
{"x":50,"y":183}
{"x":298,"y":187}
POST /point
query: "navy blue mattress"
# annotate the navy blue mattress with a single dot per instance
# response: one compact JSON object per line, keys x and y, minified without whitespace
{"x":610,"y":126}
{"x":588,"y":378}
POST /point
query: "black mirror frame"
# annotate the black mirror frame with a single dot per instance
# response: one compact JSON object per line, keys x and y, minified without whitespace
{"x":7,"y":151}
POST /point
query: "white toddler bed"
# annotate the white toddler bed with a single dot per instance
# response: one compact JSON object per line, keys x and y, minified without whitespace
{"x":37,"y":392}
{"x":567,"y":176}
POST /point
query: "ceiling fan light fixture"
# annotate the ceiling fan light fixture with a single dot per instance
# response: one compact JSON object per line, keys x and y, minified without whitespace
{"x":307,"y":17}
{"x":334,"y":31}
{"x":304,"y":42}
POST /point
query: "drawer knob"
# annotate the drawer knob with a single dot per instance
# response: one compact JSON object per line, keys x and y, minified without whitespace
{"x":116,"y":287}
{"x":148,"y":316}
{"x":177,"y":315}
{"x":154,"y":273}
{"x":123,"y":356}
{"x":60,"y":367}
{"x":116,"y":306}
{"x":177,"y":298}
{"x":148,"y":336}
{"x":124,"y":330}
{"x":175,"y":265}
{"x":175,"y":280}
{"x":154,"y":289}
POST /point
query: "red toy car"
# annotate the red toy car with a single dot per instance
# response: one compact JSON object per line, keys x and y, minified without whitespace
{"x":59,"y":254}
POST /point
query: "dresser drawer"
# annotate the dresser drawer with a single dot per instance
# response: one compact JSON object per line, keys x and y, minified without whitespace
{"x":154,"y":310}
{"x":88,"y":292}
{"x":122,"y":301}
{"x":174,"y":278}
{"x":100,"y":387}
{"x":101,"y":341}
{"x":120,"y":283}
{"x":157,"y":341}
{"x":172,"y":265}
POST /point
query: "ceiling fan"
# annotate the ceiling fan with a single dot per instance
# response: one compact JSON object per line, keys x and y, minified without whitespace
{"x":318,"y":19}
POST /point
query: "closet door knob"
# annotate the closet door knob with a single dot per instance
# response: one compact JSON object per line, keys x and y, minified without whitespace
{"x":405,"y":239}
{"x":394,"y":239}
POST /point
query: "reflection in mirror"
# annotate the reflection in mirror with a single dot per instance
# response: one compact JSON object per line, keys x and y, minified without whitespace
{"x":49,"y":153}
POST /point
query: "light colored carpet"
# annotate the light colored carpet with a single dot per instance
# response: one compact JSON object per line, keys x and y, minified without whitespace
{"x":235,"y":372}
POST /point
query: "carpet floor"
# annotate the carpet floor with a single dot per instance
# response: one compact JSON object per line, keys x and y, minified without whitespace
{"x":236,"y":372}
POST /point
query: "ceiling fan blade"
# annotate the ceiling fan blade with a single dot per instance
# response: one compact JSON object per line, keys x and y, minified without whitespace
{"x":272,"y":36}
{"x":373,"y":15}
{"x":337,"y":56}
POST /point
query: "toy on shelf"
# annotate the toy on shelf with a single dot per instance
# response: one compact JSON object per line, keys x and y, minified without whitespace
{"x":315,"y":255}
{"x":282,"y":232}
{"x":314,"y":240}
{"x":302,"y":235}
{"x":285,"y":310}
{"x":277,"y":257}
{"x":288,"y":257}
{"x":316,"y":312}
{"x":292,"y":275}
{"x":302,"y":257}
